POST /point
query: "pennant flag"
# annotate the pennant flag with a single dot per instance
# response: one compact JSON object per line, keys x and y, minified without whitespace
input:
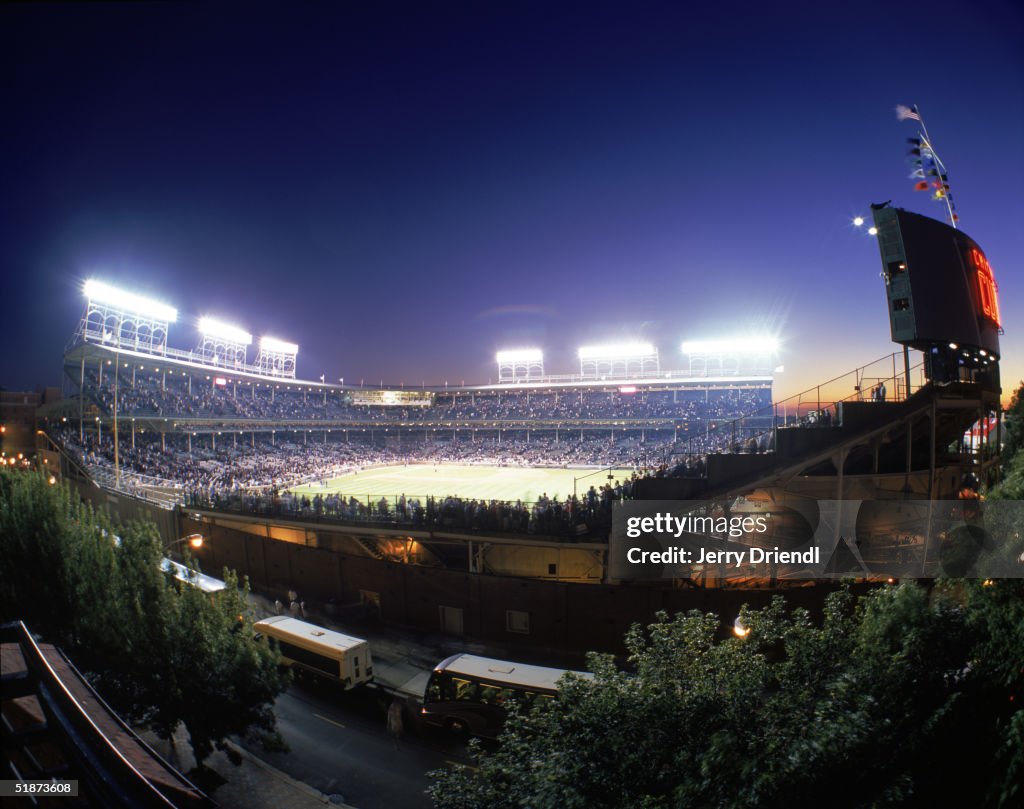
{"x":904,"y":113}
{"x":921,"y":186}
{"x":917,"y":174}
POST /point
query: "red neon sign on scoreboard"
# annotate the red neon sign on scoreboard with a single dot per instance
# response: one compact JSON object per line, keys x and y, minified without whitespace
{"x":987,"y":289}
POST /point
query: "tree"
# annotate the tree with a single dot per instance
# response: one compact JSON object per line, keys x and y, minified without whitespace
{"x":880,"y":696}
{"x":219,"y":680}
{"x":1013,"y":425}
{"x":38,"y":522}
{"x":160,"y":652}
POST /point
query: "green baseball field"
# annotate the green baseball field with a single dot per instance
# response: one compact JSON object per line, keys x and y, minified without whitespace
{"x":479,"y":482}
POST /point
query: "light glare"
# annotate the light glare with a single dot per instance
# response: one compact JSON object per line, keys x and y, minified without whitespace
{"x":514,"y":355}
{"x":617,"y":350}
{"x":764,"y":344}
{"x":209,"y":327}
{"x":280,"y":346}
{"x":104,"y":293}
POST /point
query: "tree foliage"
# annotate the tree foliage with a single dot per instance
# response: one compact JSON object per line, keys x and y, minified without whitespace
{"x":161,"y":652}
{"x":1013,"y":425}
{"x":899,"y":699}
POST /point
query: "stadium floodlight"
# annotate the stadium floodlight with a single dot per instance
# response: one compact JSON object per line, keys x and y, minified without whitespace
{"x":278,"y":346}
{"x":99,"y":292}
{"x":764,"y":344}
{"x":518,"y":355}
{"x":616,"y":350}
{"x":209,"y":327}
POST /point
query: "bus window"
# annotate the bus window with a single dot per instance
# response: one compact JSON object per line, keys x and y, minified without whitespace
{"x":433,"y":689}
{"x":465,"y":689}
{"x":489,"y":694}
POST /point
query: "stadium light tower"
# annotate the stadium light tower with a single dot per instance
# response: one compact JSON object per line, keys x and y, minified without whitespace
{"x":732,"y":357}
{"x":618,"y":359}
{"x":222,"y":343}
{"x":276,"y":357}
{"x":520,"y":365}
{"x":121,"y":319}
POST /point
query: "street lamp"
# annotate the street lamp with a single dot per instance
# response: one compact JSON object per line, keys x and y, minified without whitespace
{"x":195,"y":541}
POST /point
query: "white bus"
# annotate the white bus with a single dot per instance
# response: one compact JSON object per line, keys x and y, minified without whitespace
{"x":467,"y":694}
{"x":184,"y":574}
{"x":321,"y":651}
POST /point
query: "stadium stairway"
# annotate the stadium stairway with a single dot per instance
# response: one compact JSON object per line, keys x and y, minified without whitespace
{"x":875,"y":437}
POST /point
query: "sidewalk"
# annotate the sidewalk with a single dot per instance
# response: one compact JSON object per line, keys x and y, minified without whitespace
{"x":253,"y":784}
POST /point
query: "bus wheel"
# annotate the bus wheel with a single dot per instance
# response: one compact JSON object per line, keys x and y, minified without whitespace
{"x":456,"y":727}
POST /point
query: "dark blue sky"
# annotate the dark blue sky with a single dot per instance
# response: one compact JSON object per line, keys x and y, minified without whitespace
{"x":404,"y":189}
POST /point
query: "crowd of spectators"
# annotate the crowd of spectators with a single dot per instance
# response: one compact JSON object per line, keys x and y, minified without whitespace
{"x":253,"y":471}
{"x":196,"y":464}
{"x":572,"y":517}
{"x":256,"y":479}
{"x":154,"y":394}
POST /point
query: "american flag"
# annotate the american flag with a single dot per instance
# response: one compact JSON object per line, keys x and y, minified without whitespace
{"x":903,"y":113}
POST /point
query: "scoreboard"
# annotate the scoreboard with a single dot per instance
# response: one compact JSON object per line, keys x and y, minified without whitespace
{"x":941,"y":294}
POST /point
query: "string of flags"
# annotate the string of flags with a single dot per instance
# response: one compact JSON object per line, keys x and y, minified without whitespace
{"x":927,"y":169}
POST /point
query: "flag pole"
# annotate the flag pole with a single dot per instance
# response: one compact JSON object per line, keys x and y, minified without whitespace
{"x":915,"y":114}
{"x":942,"y":167}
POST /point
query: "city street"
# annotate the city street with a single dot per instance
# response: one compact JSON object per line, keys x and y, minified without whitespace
{"x":339,"y":745}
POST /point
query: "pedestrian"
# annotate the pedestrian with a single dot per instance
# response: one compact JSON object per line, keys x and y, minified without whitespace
{"x":278,"y":606}
{"x":294,"y":609}
{"x":395,"y":723}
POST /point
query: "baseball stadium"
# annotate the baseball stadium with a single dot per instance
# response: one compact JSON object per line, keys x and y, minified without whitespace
{"x":429,"y":503}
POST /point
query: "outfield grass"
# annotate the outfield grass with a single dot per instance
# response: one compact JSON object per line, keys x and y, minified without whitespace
{"x":480,"y":482}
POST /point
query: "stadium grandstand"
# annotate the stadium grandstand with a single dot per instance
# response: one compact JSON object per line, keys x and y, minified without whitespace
{"x":176,"y":424}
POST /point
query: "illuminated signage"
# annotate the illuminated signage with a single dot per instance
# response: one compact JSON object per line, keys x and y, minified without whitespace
{"x":393,"y":398}
{"x":219,"y":380}
{"x":627,"y":389}
{"x":987,"y":297}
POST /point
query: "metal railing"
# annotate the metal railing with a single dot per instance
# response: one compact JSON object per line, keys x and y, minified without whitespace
{"x":817,"y":406}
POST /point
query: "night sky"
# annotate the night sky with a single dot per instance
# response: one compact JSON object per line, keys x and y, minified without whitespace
{"x":405,"y":189}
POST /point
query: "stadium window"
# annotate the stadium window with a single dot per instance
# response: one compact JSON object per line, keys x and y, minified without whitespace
{"x":552,"y":570}
{"x":517,"y":621}
{"x":901,"y":304}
